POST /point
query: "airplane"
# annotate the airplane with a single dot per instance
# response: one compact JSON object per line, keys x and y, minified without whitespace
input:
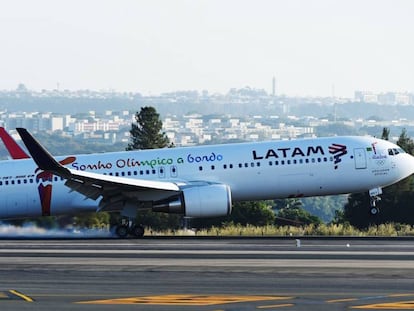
{"x":200,"y":181}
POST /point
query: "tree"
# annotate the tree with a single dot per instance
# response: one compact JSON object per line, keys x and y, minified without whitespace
{"x":385,"y":133}
{"x":406,"y":142}
{"x":324,"y":207}
{"x":256,"y":213}
{"x":146,"y":132}
{"x":291,"y":212}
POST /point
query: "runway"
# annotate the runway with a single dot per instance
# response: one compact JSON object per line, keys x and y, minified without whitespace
{"x":207,"y":274}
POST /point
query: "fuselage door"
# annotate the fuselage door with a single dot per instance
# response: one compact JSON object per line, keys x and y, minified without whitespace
{"x":360,"y":158}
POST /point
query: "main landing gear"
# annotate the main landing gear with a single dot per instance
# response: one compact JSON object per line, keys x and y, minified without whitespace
{"x":128,"y":227}
{"x":375,"y":198}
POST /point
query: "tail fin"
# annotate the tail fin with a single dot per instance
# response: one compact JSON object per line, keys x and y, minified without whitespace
{"x":16,"y":152}
{"x":41,"y":156}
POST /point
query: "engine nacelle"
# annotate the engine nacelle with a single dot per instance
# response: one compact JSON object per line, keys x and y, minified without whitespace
{"x":199,"y":201}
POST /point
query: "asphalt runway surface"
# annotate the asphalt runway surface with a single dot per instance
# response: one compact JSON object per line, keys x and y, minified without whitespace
{"x":207,"y":274}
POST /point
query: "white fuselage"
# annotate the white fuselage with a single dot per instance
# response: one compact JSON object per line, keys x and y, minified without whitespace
{"x":253,"y":171}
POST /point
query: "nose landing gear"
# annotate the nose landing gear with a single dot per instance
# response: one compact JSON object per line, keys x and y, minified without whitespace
{"x":375,"y":198}
{"x":374,"y":209}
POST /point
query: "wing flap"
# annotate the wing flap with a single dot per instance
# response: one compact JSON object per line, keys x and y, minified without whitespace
{"x":93,"y":185}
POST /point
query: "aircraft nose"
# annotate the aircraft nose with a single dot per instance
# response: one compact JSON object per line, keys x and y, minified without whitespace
{"x":409,"y":164}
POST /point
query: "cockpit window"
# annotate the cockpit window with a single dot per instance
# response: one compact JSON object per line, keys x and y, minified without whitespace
{"x":395,"y":151}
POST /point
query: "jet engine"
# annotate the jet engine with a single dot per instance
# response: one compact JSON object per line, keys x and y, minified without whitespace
{"x":198,"y":201}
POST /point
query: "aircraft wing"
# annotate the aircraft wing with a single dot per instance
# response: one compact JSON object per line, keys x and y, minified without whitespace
{"x":114,"y":190}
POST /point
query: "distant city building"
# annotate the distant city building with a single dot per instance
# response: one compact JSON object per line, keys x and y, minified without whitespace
{"x":389,"y":98}
{"x":190,"y":117}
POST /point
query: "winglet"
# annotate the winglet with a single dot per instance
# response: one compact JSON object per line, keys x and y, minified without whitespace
{"x":41,"y":156}
{"x":16,"y":152}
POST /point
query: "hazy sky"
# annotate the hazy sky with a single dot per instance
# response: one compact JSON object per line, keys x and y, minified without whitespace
{"x":160,"y":46}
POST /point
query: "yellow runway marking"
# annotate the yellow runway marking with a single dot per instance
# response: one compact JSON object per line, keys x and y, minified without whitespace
{"x":193,"y":300}
{"x":3,"y":295}
{"x":342,"y":300}
{"x":400,"y":305}
{"x":20,"y":295}
{"x":276,"y":306}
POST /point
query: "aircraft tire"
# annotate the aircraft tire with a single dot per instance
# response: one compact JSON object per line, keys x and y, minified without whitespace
{"x":138,"y":231}
{"x":122,"y":231}
{"x":374,"y":211}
